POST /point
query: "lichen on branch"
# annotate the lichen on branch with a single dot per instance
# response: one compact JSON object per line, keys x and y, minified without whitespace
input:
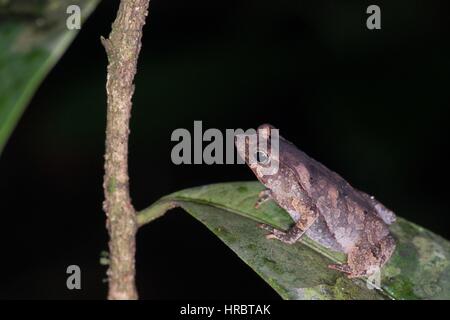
{"x":122,"y":47}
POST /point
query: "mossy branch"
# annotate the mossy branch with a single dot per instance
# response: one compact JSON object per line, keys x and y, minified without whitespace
{"x":122,"y":48}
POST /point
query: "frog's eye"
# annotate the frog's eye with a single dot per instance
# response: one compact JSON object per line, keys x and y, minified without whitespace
{"x":261,"y":157}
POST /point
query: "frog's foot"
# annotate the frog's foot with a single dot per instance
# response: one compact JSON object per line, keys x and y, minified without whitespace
{"x":345,"y":268}
{"x":289,"y":237}
{"x":341,"y":267}
{"x":263,"y":197}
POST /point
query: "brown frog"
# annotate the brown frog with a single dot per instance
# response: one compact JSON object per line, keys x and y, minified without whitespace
{"x":322,"y":204}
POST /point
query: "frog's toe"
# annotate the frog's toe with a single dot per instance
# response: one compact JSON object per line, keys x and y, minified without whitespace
{"x":266,"y":227}
{"x":345,"y":268}
{"x":281,"y":236}
{"x":273,"y":233}
{"x":272,"y":230}
{"x":342,"y":268}
{"x":271,"y":236}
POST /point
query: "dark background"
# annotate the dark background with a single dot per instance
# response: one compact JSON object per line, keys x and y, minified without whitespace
{"x":371,"y":105}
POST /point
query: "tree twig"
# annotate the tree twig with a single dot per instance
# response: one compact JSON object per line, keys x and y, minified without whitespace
{"x":122,"y":48}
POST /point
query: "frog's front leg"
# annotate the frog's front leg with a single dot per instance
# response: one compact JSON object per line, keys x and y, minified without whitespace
{"x":307,"y":218}
{"x":290,"y":237}
{"x":263,"y":197}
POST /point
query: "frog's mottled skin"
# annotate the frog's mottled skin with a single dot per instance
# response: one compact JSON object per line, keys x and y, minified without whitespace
{"x":325,"y":207}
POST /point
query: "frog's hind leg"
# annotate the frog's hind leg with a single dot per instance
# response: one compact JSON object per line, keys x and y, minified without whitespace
{"x":360,"y":261}
{"x":365,"y":260}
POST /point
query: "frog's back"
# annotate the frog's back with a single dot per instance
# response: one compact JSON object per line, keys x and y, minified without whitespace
{"x":333,"y":194}
{"x":346,"y":212}
{"x":313,"y":175}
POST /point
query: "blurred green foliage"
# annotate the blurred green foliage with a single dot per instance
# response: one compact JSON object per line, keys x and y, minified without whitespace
{"x":33,"y":36}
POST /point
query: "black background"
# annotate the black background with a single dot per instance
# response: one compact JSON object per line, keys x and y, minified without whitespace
{"x":371,"y":105}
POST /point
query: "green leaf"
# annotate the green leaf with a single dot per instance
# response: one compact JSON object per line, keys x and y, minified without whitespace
{"x":33,"y":36}
{"x":419,"y":268}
